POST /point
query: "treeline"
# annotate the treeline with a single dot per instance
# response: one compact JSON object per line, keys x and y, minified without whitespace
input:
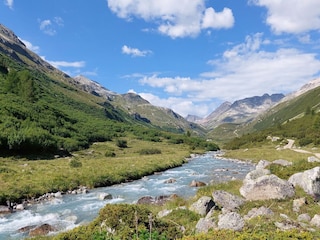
{"x":306,"y":130}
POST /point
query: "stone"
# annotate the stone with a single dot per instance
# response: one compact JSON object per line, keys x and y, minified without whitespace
{"x":313,"y":159}
{"x":231,"y":220}
{"x":42,"y":230}
{"x":227,"y":200}
{"x":255,"y":212}
{"x":263,"y":187}
{"x":308,"y":180}
{"x":305,"y":217}
{"x":20,"y":207}
{"x":202,"y":206}
{"x":160,"y":200}
{"x":315,"y":221}
{"x":262,"y":164}
{"x":297,"y":203}
{"x":282,"y":162}
{"x":4,"y":209}
{"x":58,"y":195}
{"x":205,"y":224}
{"x":197,"y":184}
{"x":104,"y":196}
{"x":164,"y":213}
{"x":170,"y":180}
{"x":284,"y":226}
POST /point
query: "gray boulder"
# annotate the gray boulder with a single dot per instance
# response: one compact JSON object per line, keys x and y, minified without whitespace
{"x":263,"y":187}
{"x":195,"y":183}
{"x":227,"y":200}
{"x":262,"y":164}
{"x":205,"y":224}
{"x":313,"y":159}
{"x":308,"y":180}
{"x":305,"y":217}
{"x":315,"y":221}
{"x":202,"y":206}
{"x":104,"y":196}
{"x":231,"y":220}
{"x":282,"y":162}
{"x":255,"y":212}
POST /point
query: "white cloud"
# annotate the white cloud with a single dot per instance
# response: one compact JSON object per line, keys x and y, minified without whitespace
{"x":135,"y":52}
{"x":30,"y":46}
{"x":49,"y":26}
{"x":244,"y":70}
{"x":291,"y":16}
{"x":174,"y":18}
{"x":58,"y":64}
{"x":9,"y":3}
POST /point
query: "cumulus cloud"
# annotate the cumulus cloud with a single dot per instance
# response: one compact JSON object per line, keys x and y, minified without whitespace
{"x":9,"y":3}
{"x":291,"y":16}
{"x":30,"y":46}
{"x":244,"y":70}
{"x":49,"y":26}
{"x":174,"y":18}
{"x":135,"y":52}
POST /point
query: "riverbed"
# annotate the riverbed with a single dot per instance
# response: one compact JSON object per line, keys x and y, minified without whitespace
{"x":71,"y":210}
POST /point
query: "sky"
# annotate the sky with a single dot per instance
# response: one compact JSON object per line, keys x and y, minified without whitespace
{"x":187,"y":55}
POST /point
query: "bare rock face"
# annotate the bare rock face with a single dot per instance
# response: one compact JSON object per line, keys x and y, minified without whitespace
{"x":308,"y":180}
{"x":257,"y":186}
{"x":231,"y":220}
{"x":227,"y":200}
{"x":202,"y":206}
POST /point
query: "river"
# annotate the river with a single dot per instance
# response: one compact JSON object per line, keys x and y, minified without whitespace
{"x":73,"y":210}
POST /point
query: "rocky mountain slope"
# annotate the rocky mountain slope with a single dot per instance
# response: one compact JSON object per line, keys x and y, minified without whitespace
{"x":241,"y":111}
{"x":138,"y":108}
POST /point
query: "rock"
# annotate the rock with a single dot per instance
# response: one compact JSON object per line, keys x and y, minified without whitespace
{"x":160,"y":200}
{"x":164,"y":213}
{"x":170,"y":180}
{"x":262,"y":164}
{"x":255,"y":174}
{"x":226,"y":200}
{"x":263,"y":187}
{"x":231,"y":220}
{"x":202,"y":206}
{"x":58,"y":195}
{"x":297,"y":203}
{"x":313,"y":159}
{"x":315,"y":221}
{"x":308,"y":180}
{"x":20,"y":207}
{"x":305,"y":217}
{"x":5,"y":209}
{"x":255,"y":212}
{"x":42,"y":230}
{"x":282,"y":162}
{"x":284,"y":226}
{"x":205,"y":224}
{"x":26,"y":229}
{"x":104,"y":196}
{"x":197,"y":184}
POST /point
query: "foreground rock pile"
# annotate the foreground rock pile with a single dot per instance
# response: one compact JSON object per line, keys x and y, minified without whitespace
{"x":222,"y":209}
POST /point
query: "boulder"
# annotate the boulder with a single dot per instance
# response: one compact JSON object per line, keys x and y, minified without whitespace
{"x":305,"y":217}
{"x":42,"y":230}
{"x":297,"y":203}
{"x":308,"y":180}
{"x":160,"y":200}
{"x":226,"y":200}
{"x":263,"y":187}
{"x":231,"y":220}
{"x":205,"y":224}
{"x":20,"y":207}
{"x":262,"y":164}
{"x":313,"y":159}
{"x":315,"y":221}
{"x":282,"y":162}
{"x":202,"y":206}
{"x":5,"y":209}
{"x":170,"y":180}
{"x":255,"y":212}
{"x":197,"y":184}
{"x":104,"y":196}
{"x":58,"y":195}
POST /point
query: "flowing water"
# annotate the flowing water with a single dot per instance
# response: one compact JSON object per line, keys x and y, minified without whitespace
{"x":72,"y":210}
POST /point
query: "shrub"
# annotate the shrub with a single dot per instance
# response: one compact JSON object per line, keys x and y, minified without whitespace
{"x":109,"y":153}
{"x":149,"y":151}
{"x":75,"y":163}
{"x":121,"y":143}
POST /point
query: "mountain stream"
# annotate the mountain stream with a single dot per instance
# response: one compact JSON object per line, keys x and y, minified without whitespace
{"x":71,"y":210}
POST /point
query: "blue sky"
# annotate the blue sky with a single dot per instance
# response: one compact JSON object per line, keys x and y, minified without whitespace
{"x":187,"y":55}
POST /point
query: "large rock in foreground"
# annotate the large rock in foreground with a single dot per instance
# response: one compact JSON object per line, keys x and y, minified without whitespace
{"x":257,"y":186}
{"x":308,"y":180}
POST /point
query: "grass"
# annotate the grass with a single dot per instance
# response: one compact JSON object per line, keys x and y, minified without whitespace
{"x":22,"y":178}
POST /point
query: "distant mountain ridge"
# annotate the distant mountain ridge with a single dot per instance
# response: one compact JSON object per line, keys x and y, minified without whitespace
{"x":241,"y":111}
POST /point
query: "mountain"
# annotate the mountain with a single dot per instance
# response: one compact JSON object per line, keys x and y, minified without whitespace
{"x":241,"y":111}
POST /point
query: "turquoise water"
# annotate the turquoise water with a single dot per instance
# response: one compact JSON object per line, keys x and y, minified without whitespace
{"x":72,"y":210}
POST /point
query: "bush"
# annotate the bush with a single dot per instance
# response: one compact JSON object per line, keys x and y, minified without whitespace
{"x":121,"y":143}
{"x":75,"y":163}
{"x":109,"y":154}
{"x":149,"y":151}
